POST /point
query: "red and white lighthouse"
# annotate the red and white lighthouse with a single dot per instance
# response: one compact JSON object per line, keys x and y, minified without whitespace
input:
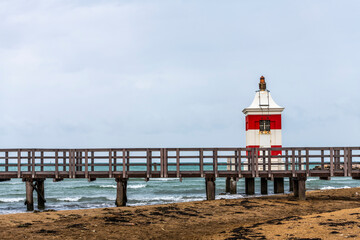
{"x":263,"y":121}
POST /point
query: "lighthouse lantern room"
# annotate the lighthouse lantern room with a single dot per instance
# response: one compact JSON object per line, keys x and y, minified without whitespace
{"x":263,"y":121}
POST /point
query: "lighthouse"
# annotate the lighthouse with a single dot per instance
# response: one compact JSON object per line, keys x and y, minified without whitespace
{"x":263,"y":121}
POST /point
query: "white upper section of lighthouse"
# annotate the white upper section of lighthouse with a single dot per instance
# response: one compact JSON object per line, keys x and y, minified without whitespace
{"x":263,"y":102}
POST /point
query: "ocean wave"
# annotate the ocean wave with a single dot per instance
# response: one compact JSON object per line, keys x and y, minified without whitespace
{"x":9,"y":200}
{"x":69,"y":199}
{"x":158,"y":199}
{"x":165,"y":179}
{"x":107,"y":186}
{"x":137,"y":186}
{"x":331,"y":187}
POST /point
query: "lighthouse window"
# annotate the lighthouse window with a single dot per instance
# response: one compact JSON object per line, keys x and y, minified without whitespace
{"x":264,"y":125}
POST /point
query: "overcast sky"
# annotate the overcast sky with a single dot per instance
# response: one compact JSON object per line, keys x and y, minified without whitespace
{"x":176,"y":73}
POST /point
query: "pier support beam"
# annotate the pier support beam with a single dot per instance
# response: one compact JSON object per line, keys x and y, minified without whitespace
{"x":250,"y":186}
{"x":264,"y":186}
{"x":121,"y":197}
{"x":300,"y":187}
{"x":291,"y":184}
{"x":40,"y":193}
{"x":210,"y":187}
{"x":29,"y":202}
{"x":296,"y":187}
{"x":231,"y":185}
{"x":278,"y":185}
{"x":325,"y":178}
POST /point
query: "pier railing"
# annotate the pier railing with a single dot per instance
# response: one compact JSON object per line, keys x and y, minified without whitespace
{"x":179,"y":162}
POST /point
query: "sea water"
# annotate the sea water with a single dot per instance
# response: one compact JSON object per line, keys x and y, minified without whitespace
{"x":80,"y":194}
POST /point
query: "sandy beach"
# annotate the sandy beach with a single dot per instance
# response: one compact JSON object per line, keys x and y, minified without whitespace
{"x":326,"y":214}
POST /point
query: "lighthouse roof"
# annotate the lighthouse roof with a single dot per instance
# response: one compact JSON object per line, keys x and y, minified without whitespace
{"x":263,"y":103}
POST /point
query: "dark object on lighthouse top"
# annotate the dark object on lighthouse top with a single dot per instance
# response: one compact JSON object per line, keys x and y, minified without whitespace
{"x":262,"y":84}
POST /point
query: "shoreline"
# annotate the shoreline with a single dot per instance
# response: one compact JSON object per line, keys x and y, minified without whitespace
{"x":265,"y":217}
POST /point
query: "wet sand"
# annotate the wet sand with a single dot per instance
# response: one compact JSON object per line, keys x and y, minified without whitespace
{"x":326,"y":214}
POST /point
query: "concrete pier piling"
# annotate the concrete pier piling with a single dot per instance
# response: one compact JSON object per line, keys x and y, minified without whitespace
{"x":231,"y":185}
{"x":264,"y":186}
{"x":121,"y":197}
{"x":40,"y":193}
{"x":300,"y":187}
{"x":278,"y":185}
{"x":29,"y":202}
{"x":291,"y":184}
{"x":210,"y":187}
{"x":250,"y":186}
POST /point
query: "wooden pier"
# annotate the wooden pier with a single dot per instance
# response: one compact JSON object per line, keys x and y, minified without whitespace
{"x":33,"y":166}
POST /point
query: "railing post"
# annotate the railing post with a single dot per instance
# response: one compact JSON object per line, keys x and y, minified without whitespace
{"x":350,"y":162}
{"x":92,"y":161}
{"x":56,"y":163}
{"x":115,"y":160}
{"x":161,"y":162}
{"x":148,"y":163}
{"x":42,"y":161}
{"x":110,"y":164}
{"x":286,"y":160}
{"x":19,"y":163}
{"x":307,"y":162}
{"x":29,"y":161}
{"x":86,"y":164}
{"x":253,"y":162}
{"x":215,"y":159}
{"x":201,"y":154}
{"x":6,"y":161}
{"x":345,"y":168}
{"x":166,"y":163}
{"x":64,"y":161}
{"x":331,"y":162}
{"x":127,"y":161}
{"x":33,"y":163}
{"x":178,"y":163}
{"x":256,"y":162}
{"x":269,"y":164}
{"x":293,"y":162}
{"x":239,"y":163}
{"x":70,"y":164}
{"x":124,"y":163}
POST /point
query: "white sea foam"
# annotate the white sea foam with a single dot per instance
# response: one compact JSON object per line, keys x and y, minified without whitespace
{"x":165,"y":179}
{"x":330,"y":187}
{"x":107,"y":186}
{"x":69,"y":199}
{"x":162,"y":198}
{"x":137,"y":186}
{"x":9,"y":200}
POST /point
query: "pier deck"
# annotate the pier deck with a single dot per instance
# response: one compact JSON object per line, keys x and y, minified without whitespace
{"x":36,"y":165}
